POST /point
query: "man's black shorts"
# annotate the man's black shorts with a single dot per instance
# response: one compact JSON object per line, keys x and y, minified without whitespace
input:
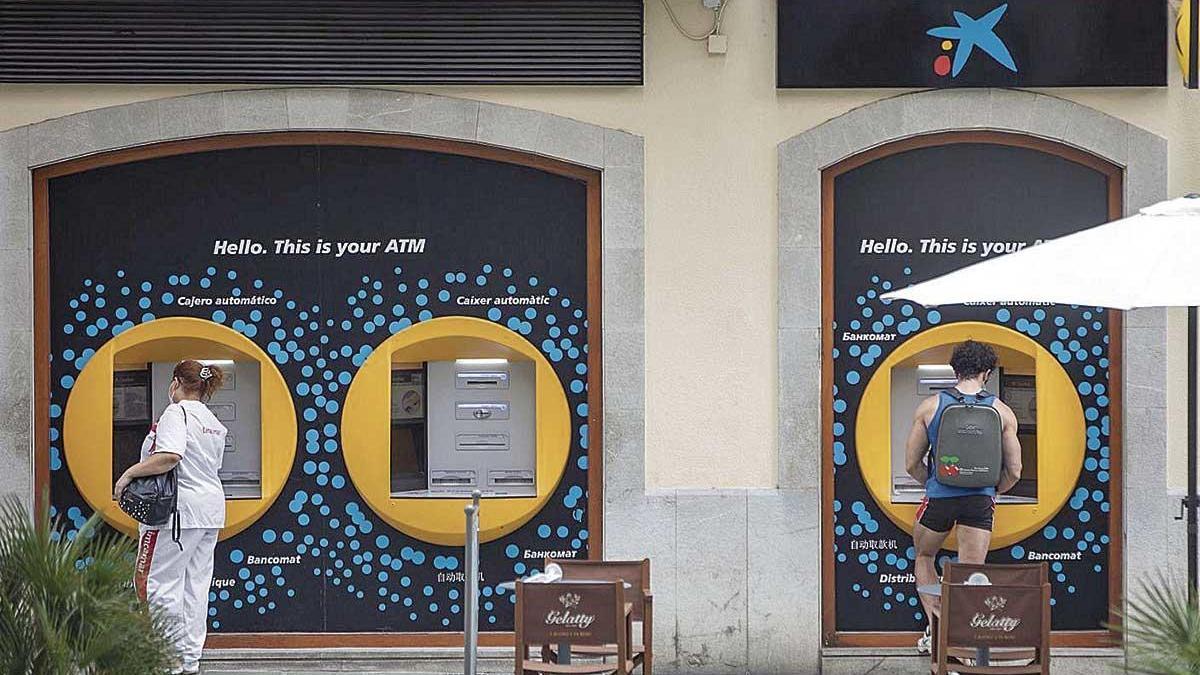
{"x":940,"y":515}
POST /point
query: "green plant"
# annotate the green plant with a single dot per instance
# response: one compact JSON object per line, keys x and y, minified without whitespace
{"x":67,"y":603}
{"x":1162,"y":630}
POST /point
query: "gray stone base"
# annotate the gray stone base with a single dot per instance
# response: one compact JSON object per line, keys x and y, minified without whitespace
{"x":499,"y":660}
{"x":391,"y":660}
{"x":903,"y":662}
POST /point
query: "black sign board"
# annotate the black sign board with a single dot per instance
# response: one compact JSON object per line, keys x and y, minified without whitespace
{"x":895,"y":224}
{"x":175,"y":238}
{"x":971,"y":43}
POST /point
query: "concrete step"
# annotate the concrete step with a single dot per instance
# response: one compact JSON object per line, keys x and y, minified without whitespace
{"x":410,"y":661}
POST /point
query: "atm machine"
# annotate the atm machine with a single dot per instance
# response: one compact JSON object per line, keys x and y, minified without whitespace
{"x":479,"y":424}
{"x":140,"y":395}
{"x":238,"y":405}
{"x":913,"y":384}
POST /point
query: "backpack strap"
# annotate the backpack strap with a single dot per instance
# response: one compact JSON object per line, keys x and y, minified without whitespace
{"x":979,"y":396}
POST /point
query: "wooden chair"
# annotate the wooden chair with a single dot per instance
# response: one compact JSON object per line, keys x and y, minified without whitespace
{"x":592,"y":614}
{"x":1015,"y":574}
{"x":999,"y":616}
{"x":636,"y":573}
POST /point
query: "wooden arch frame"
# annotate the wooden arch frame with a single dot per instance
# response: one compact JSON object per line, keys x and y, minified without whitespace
{"x":591,"y":178}
{"x":1114,"y":175}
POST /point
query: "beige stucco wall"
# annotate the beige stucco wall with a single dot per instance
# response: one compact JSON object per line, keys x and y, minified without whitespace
{"x":711,"y":126}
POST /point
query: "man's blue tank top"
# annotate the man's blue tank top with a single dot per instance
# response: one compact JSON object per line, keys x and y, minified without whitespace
{"x":934,"y":489}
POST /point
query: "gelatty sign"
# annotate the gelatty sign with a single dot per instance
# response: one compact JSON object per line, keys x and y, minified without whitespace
{"x":894,"y":223}
{"x":971,"y":43}
{"x":318,"y":269}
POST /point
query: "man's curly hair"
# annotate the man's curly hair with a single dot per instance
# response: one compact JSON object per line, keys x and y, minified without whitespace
{"x":972,"y":358}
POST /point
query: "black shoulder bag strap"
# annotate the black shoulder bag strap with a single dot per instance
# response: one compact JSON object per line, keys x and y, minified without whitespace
{"x":176,"y":530}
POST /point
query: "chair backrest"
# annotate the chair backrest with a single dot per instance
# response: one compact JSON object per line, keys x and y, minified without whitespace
{"x":636,"y":573}
{"x":585,"y":614}
{"x":1017,"y":574}
{"x":996,"y":616}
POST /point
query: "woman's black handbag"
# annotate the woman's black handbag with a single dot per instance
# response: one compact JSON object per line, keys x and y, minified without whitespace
{"x":153,"y":500}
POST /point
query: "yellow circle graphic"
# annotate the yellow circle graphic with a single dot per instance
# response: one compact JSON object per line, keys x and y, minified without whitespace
{"x":1060,"y":435}
{"x":366,"y":429}
{"x":88,"y":422}
{"x":947,"y":45}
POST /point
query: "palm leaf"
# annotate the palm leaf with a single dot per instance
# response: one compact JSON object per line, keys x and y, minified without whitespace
{"x":67,"y":604}
{"x":1162,"y":629}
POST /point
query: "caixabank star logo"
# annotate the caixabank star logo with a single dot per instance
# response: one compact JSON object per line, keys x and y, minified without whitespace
{"x":968,"y":34}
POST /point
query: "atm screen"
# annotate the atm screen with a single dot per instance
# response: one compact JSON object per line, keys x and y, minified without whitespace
{"x":131,"y":417}
{"x":1020,"y":393}
{"x":408,"y":455}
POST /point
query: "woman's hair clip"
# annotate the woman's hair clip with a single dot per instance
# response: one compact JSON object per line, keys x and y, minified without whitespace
{"x":205,"y":373}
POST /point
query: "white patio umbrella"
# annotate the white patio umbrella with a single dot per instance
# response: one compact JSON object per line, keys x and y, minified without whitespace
{"x":1146,"y":260}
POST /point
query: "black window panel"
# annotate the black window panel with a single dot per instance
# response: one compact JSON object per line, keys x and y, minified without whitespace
{"x":322,"y":42}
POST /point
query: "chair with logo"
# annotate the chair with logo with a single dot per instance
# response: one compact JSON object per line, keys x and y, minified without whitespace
{"x":636,"y":575}
{"x":987,"y":629}
{"x":1015,"y":574}
{"x":568,"y":616}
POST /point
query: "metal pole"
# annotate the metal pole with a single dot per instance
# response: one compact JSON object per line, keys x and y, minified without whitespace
{"x":1192,"y":501}
{"x":471,"y":588}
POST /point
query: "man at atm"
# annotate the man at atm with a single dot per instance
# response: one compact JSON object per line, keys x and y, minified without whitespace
{"x":963,"y":447}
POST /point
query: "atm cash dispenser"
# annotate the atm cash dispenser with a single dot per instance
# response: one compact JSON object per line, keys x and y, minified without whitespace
{"x":140,"y":395}
{"x":912,"y":384}
{"x":479,"y":428}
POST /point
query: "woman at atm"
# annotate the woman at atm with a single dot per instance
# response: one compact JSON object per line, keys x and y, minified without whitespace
{"x":189,"y":439}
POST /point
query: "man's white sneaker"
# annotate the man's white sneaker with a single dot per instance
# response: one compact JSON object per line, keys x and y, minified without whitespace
{"x":925,"y":642}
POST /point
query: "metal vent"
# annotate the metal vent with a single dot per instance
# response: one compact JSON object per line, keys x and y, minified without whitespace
{"x":322,"y":42}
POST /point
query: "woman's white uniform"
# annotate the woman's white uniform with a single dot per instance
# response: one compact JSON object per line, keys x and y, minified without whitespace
{"x":177,"y":577}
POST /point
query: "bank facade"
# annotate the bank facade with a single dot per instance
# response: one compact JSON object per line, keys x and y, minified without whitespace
{"x":733,"y":421}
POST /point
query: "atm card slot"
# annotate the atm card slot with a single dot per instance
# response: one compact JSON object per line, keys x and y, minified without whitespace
{"x":481,"y":411}
{"x":451,"y":478}
{"x":510,"y":478}
{"x":931,"y":386}
{"x":481,"y":442}
{"x":229,"y":444}
{"x":481,"y":380}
